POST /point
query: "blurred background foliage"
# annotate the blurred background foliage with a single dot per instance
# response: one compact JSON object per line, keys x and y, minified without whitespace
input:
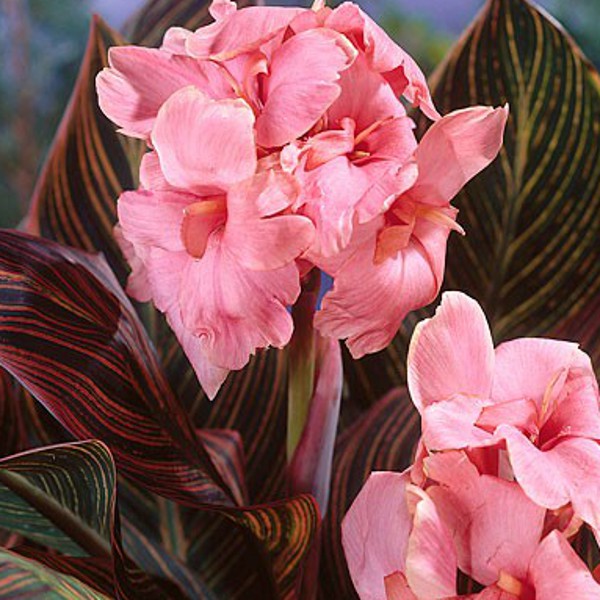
{"x":42,"y":41}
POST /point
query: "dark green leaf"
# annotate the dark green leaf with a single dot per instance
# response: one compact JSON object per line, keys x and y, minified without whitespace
{"x":64,"y":497}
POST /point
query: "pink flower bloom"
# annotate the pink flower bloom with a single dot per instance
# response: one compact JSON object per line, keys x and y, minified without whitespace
{"x":395,"y":543}
{"x":289,"y":81}
{"x":403,"y":542}
{"x":214,"y":241}
{"x":395,"y":262}
{"x":535,"y":398}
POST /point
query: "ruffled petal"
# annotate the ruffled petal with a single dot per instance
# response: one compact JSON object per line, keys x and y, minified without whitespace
{"x":138,"y":285}
{"x":238,"y":32}
{"x":204,"y":144}
{"x":569,"y":472}
{"x":375,"y":533}
{"x":557,"y":573}
{"x":153,"y":218}
{"x":211,"y":377}
{"x":357,"y":83}
{"x":451,"y":424}
{"x":451,"y":353}
{"x":384,"y":55}
{"x":329,"y":195}
{"x":531,"y":368}
{"x":151,"y":175}
{"x":302,"y":85}
{"x":271,"y":242}
{"x":140,"y":80}
{"x":496,"y":527}
{"x":369,"y":301}
{"x":234,"y":310}
{"x":431,"y":560}
{"x":454,"y":150}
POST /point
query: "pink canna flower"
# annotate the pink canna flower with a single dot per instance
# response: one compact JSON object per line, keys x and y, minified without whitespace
{"x":213,"y":240}
{"x":394,"y":263}
{"x":395,"y":543}
{"x":404,"y":542}
{"x":528,"y":409}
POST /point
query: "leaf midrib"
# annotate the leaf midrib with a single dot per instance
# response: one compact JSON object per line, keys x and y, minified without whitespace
{"x":76,"y":529}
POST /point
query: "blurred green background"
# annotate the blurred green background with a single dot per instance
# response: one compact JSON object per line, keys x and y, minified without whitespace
{"x":42,"y":41}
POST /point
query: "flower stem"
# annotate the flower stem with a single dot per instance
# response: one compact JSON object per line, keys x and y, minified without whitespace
{"x":301,"y":361}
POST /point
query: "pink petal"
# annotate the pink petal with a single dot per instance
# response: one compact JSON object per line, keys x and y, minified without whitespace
{"x":240,"y":32}
{"x":138,"y":286}
{"x":140,"y":80}
{"x":153,"y":218}
{"x":451,"y":424}
{"x":369,"y":301}
{"x":357,"y":83}
{"x":302,"y":85}
{"x":521,"y":414}
{"x":221,"y":9}
{"x":397,"y":588}
{"x":569,"y":472}
{"x":211,"y":377}
{"x":491,"y":593}
{"x":431,"y":561}
{"x":329,"y":194}
{"x":387,"y":181}
{"x":384,"y":55}
{"x":454,"y":150}
{"x":577,"y":413}
{"x":555,"y":375}
{"x":330,"y":144}
{"x":202,"y":143}
{"x":557,"y":573}
{"x":265,"y":243}
{"x":175,"y":40}
{"x":151,"y":175}
{"x":234,"y":310}
{"x":375,"y":533}
{"x":496,"y":527}
{"x":526,"y":367}
{"x":165,"y":272}
{"x":451,"y":353}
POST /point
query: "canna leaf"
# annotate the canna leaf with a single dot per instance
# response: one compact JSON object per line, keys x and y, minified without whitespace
{"x":64,"y":497}
{"x":71,"y":337}
{"x":383,"y":439}
{"x":531,"y":254}
{"x":87,"y":166}
{"x":24,"y":578}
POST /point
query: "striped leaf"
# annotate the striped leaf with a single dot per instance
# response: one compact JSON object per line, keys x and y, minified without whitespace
{"x":24,"y":578}
{"x":149,"y":23}
{"x":14,"y":438}
{"x":531,"y":255}
{"x":64,"y":497}
{"x":71,"y":337}
{"x":383,"y":439}
{"x":87,"y":166}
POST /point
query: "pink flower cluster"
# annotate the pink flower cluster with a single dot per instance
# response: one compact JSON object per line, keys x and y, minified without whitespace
{"x":507,"y":471}
{"x":278,"y":143}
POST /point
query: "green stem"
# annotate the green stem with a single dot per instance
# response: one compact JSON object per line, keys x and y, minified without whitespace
{"x":301,"y":361}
